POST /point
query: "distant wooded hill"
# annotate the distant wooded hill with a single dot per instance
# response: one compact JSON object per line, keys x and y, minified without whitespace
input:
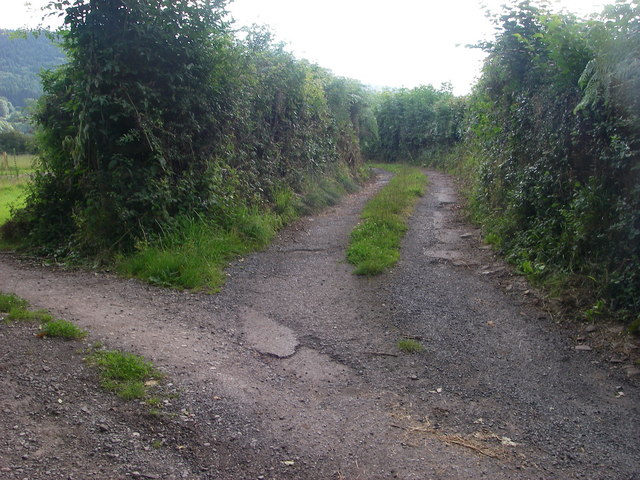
{"x":21,"y":59}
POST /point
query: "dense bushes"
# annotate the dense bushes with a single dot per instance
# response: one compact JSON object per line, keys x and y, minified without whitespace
{"x":291,"y":119}
{"x":550,"y":146}
{"x":414,"y":125}
{"x":128,"y":126}
{"x":161,"y":114}
{"x":555,"y":126}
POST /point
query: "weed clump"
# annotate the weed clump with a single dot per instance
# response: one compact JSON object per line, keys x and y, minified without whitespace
{"x":124,"y":373}
{"x":409,"y":345}
{"x":62,"y":329}
{"x":9,"y":301}
{"x":20,"y":314}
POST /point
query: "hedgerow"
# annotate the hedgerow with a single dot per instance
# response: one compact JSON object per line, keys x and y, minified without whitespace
{"x":163,"y":113}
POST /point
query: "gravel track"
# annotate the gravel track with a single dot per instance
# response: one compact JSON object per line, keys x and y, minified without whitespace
{"x":293,"y":370}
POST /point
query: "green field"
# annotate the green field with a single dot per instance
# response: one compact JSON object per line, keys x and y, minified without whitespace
{"x":15,"y":165}
{"x":11,"y":195}
{"x":13,"y":178}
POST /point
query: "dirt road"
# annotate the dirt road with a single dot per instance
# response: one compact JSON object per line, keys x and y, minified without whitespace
{"x":293,"y":371}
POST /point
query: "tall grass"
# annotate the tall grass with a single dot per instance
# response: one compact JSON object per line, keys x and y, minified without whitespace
{"x":194,"y":253}
{"x":325,"y":192}
{"x":375,"y":243}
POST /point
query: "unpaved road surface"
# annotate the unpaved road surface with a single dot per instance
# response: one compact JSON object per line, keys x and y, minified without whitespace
{"x":293,"y":370}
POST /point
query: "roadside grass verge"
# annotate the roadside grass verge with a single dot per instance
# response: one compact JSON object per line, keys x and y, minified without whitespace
{"x":375,"y":242}
{"x":193,"y":253}
{"x":16,"y":309}
{"x":127,"y":375}
{"x":325,"y":192}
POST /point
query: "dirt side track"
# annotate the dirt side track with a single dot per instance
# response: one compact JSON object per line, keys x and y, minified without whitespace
{"x":293,"y":372}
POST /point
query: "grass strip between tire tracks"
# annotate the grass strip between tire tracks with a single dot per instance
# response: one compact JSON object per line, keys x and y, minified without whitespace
{"x":375,"y":242}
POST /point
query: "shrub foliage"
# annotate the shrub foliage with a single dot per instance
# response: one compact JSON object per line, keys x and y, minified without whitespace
{"x":415,"y":125}
{"x":549,"y":140}
{"x":555,"y":128}
{"x":161,"y":113}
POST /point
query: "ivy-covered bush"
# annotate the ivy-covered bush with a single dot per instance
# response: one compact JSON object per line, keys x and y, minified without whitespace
{"x":549,"y":144}
{"x":555,"y":136}
{"x":163,"y":113}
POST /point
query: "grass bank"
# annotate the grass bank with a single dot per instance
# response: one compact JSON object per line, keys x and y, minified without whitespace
{"x":375,"y":243}
{"x":195,"y":251}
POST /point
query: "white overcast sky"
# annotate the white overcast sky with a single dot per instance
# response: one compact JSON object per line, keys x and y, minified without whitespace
{"x":398,"y":43}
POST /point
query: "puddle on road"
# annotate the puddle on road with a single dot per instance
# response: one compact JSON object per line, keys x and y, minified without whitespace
{"x":442,"y":254}
{"x":268,"y":336}
{"x":316,"y":367}
{"x":446,"y":197}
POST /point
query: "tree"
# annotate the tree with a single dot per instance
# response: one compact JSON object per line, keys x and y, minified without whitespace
{"x":130,"y":127}
{"x":5,"y":107}
{"x":16,"y":142}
